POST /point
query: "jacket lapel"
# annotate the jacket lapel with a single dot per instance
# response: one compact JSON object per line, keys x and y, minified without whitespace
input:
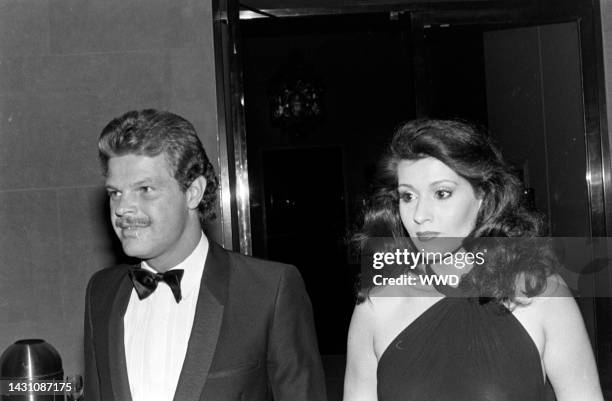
{"x":206,"y":325}
{"x":117,"y":364}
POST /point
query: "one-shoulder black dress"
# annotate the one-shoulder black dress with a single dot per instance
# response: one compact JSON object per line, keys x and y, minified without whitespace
{"x":462,"y":350}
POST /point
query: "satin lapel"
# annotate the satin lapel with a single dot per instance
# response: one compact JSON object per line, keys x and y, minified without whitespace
{"x":118,"y":367}
{"x":206,"y":325}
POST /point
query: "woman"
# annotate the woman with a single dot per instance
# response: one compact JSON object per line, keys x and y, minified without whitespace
{"x":508,"y":330}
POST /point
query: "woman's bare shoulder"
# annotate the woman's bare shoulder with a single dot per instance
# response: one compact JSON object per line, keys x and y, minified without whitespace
{"x":380,"y":301}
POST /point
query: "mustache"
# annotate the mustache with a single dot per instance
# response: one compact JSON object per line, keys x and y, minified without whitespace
{"x":126,"y":222}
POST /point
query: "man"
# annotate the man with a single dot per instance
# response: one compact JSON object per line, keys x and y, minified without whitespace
{"x":192,"y":321}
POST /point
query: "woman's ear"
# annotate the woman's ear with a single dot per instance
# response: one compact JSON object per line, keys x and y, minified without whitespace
{"x":195,"y":192}
{"x":480,"y":195}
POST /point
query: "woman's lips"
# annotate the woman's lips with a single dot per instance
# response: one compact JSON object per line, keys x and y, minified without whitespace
{"x":426,"y":235}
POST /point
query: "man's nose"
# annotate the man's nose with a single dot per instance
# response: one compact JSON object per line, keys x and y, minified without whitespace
{"x":422,"y":212}
{"x":125,"y":205}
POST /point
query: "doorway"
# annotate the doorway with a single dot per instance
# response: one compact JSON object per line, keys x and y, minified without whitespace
{"x":309,"y":180}
{"x":426,"y":51}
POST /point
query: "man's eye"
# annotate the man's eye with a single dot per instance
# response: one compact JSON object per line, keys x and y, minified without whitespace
{"x":146,"y":189}
{"x":113,"y":194}
{"x":443,"y":194}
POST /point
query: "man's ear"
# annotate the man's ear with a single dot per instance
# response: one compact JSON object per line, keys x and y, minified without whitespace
{"x":195,"y":192}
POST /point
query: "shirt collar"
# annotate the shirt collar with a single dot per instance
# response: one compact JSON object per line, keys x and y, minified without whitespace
{"x":192,"y":265}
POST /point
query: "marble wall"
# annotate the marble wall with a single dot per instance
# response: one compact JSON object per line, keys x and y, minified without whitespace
{"x":66,"y":68}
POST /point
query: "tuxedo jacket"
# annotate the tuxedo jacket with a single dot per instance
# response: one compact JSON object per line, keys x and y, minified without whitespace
{"x":252,"y":339}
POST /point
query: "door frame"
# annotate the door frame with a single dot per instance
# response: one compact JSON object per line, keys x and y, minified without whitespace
{"x":231,"y":135}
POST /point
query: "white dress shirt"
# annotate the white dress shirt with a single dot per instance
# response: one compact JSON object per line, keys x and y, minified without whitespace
{"x":157,"y":330}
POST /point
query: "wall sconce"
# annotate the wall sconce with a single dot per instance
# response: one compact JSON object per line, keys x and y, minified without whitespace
{"x":296,"y":98}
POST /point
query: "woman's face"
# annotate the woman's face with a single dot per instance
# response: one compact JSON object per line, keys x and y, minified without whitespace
{"x":435,"y":203}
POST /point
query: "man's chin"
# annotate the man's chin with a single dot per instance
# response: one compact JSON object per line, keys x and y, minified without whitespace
{"x":135,"y":250}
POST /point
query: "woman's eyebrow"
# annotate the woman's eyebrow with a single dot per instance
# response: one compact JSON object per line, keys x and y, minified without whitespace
{"x":437,"y":182}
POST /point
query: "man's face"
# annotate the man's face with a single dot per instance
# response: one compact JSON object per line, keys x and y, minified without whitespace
{"x":149,"y":212}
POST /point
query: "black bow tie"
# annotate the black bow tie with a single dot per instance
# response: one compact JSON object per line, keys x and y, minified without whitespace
{"x":145,"y":282}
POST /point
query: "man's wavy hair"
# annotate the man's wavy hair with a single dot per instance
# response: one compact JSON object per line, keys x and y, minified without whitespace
{"x":151,"y":133}
{"x":470,"y":153}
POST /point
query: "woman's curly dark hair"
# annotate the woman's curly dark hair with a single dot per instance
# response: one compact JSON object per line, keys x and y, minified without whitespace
{"x":470,"y":153}
{"x":152,"y":132}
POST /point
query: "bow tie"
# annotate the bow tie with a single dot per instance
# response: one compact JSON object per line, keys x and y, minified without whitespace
{"x":145,"y":282}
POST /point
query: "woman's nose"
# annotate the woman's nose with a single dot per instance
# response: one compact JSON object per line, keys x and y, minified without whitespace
{"x":422,"y":212}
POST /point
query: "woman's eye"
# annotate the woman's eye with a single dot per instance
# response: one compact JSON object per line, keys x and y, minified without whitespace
{"x":406,"y":196}
{"x":443,"y":194}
